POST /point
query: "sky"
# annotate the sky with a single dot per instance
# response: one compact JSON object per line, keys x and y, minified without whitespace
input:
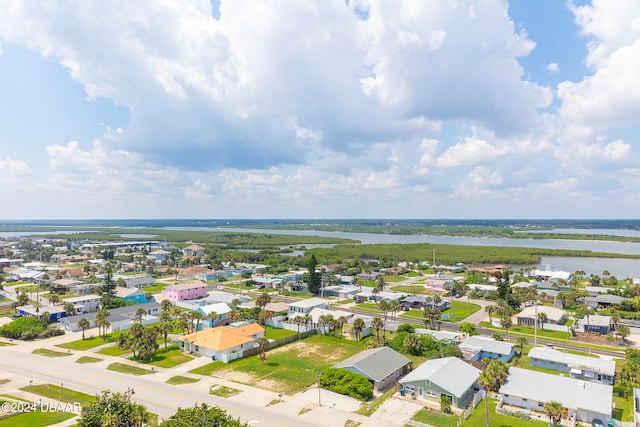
{"x":319,"y":109}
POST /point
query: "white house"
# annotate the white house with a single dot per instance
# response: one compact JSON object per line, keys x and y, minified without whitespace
{"x":584,"y":400}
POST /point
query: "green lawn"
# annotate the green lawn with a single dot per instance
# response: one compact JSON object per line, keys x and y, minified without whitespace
{"x":623,"y":408}
{"x":276,"y":333}
{"x":411,"y":289}
{"x":158,"y":287}
{"x":36,"y":419}
{"x":434,"y":418}
{"x":394,"y":279}
{"x":178,"y":379}
{"x":288,"y":369}
{"x":367,"y":408}
{"x":50,"y":353}
{"x":87,"y":359}
{"x":167,"y":358}
{"x":113,"y":351}
{"x":89,"y":343}
{"x":128,"y":369}
{"x":461,"y":310}
{"x":60,"y":393}
{"x":498,"y":420}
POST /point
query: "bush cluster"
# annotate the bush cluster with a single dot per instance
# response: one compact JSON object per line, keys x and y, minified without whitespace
{"x":27,"y":327}
{"x":347,"y":383}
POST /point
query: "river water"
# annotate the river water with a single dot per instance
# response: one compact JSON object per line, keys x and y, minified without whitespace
{"x":619,"y":267}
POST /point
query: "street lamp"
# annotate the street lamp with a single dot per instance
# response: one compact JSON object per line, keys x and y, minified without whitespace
{"x":61,"y":387}
{"x":130,"y":391}
{"x":318,"y":375}
{"x":30,"y":383}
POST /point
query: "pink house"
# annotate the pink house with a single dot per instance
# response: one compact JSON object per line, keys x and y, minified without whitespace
{"x":185,"y":291}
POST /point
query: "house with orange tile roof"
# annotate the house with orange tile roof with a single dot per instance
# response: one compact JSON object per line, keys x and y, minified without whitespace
{"x":224,"y":343}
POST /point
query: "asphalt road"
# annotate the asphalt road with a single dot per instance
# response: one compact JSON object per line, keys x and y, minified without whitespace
{"x":159,"y":398}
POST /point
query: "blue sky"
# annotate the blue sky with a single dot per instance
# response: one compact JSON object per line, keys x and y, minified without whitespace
{"x":306,"y":109}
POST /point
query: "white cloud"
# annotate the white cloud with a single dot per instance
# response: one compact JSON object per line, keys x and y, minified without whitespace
{"x":14,"y":171}
{"x":553,"y":68}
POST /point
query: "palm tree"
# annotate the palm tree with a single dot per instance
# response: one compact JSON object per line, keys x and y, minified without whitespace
{"x":522,"y":341}
{"x":542,"y":318}
{"x":624,"y":332}
{"x":375,"y":292}
{"x":394,"y":307}
{"x":263,"y":345}
{"x":588,"y":311}
{"x":412,"y":344}
{"x":54,"y":299}
{"x":140,"y":312}
{"x":139,"y":416}
{"x":264,"y":315}
{"x":342,"y":320}
{"x":69,"y":308}
{"x":377,"y":324}
{"x":490,"y":309}
{"x":383,"y":306}
{"x":211,"y":317}
{"x":554,"y":410}
{"x":485,"y":380}
{"x":84,"y":325}
{"x":307,"y":320}
{"x":358,"y":326}
{"x":323,"y":321}
{"x":380,"y":282}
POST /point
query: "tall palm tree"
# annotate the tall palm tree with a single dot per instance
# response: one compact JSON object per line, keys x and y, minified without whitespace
{"x":377,"y":324}
{"x":140,"y":312}
{"x":485,"y":381}
{"x":394,"y":307}
{"x":490,"y":309}
{"x":263,"y":345}
{"x":84,"y":325}
{"x":522,"y":341}
{"x":380,"y":282}
{"x":211,"y":317}
{"x":342,"y":320}
{"x":358,"y":326}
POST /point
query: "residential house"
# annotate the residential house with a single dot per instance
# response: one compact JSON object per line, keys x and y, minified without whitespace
{"x":604,"y":301}
{"x":132,"y":295}
{"x":367,"y":294}
{"x":85,"y":288}
{"x":192,"y":272}
{"x":56,"y":312}
{"x":341,"y":291}
{"x":421,"y":301}
{"x":382,"y":366}
{"x":596,"y":323}
{"x":159,"y":255}
{"x":476,"y":348}
{"x":577,"y":366}
{"x":224,"y":343}
{"x":185,"y":291}
{"x":220,"y":308}
{"x":64,"y":284}
{"x":584,"y":400}
{"x":594,"y":291}
{"x":306,"y":305}
{"x":448,"y":376}
{"x":193,"y":251}
{"x":209,"y":275}
{"x":315,"y":314}
{"x":84,"y":303}
{"x":530,"y":315}
{"x":138,"y":281}
{"x":120,"y":318}
{"x":552,"y":276}
{"x":73,"y":273}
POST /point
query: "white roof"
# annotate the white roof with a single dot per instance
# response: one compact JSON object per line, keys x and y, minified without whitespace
{"x":317,"y":312}
{"x":82,"y":298}
{"x":440,"y":335}
{"x":448,"y":373}
{"x":596,"y":320}
{"x":482,"y":287}
{"x":487,"y":344}
{"x":574,"y":361}
{"x":572,"y":393}
{"x":220,"y":308}
{"x":309,"y":303}
{"x":553,"y":314}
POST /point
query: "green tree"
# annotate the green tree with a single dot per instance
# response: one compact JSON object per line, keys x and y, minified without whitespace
{"x":554,"y":410}
{"x":623,"y":332}
{"x":542,"y":319}
{"x":69,"y":308}
{"x":84,"y":325}
{"x":313,"y":276}
{"x":263,"y":345}
{"x":469,"y":328}
{"x":522,"y":341}
{"x":377,"y":324}
{"x":114,"y":409}
{"x":203,"y":415}
{"x":358,"y":326}
{"x":263,"y":299}
{"x":445,"y":404}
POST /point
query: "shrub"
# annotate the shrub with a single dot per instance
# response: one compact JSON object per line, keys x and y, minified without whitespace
{"x":51,"y":332}
{"x":19,"y":326}
{"x":347,"y":383}
{"x":445,"y":405}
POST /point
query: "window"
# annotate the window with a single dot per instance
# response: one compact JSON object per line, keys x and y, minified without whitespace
{"x":432,"y":393}
{"x":524,"y":400}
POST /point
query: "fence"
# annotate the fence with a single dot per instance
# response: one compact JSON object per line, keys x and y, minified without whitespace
{"x":273,"y":344}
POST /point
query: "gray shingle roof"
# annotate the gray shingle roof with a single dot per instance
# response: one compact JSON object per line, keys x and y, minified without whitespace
{"x":488,"y":345}
{"x":376,"y":363}
{"x":448,"y":373}
{"x":594,"y":364}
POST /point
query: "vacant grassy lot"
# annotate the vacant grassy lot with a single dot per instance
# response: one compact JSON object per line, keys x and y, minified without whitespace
{"x":128,"y":369}
{"x":167,"y":358}
{"x":113,"y":351}
{"x":49,"y":353}
{"x":461,"y":310}
{"x":288,"y":369}
{"x":411,"y":289}
{"x":56,"y":392}
{"x":623,"y":408}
